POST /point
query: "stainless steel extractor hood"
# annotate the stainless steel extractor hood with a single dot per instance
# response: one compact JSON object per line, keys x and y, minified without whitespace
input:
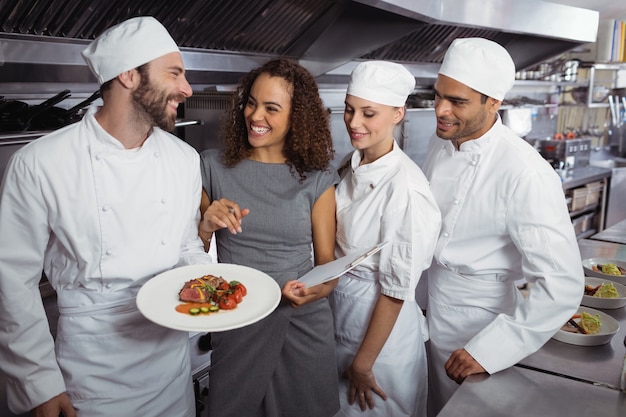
{"x":41,"y":40}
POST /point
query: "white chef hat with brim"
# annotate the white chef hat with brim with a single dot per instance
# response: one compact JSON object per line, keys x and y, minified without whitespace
{"x":381,"y":82}
{"x":128,"y":45}
{"x":480,"y":64}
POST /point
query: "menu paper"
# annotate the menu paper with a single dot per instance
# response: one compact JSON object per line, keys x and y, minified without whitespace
{"x":338,"y":267}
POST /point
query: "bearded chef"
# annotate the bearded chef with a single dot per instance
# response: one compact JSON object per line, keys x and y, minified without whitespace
{"x":102,"y":206}
{"x":505,"y":219}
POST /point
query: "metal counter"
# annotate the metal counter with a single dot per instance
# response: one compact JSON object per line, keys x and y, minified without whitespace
{"x":559,"y":379}
{"x":614,"y":234}
{"x":583,"y":175}
{"x":600,"y":364}
{"x":524,"y":392}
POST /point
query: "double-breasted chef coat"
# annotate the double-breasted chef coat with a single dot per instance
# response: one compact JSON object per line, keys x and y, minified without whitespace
{"x":100,"y":220}
{"x":388,"y":200}
{"x":505,"y":219}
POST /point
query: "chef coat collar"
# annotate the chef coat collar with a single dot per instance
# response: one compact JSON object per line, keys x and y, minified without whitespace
{"x":377,"y":169}
{"x":479,"y":144}
{"x":106,"y":140}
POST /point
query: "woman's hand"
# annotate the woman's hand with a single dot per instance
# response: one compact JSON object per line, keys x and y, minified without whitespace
{"x":222,"y":214}
{"x":299,"y":294}
{"x":363,"y":386}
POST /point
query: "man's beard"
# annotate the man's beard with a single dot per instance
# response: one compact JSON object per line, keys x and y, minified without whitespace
{"x":151,"y":105}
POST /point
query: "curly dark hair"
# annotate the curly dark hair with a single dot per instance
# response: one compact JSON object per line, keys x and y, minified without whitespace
{"x":308,"y":144}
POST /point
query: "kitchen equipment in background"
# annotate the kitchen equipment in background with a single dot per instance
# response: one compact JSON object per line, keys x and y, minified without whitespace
{"x":56,"y":117}
{"x":16,"y":116}
{"x":565,"y":154}
{"x":519,"y":120}
{"x":617,"y":127}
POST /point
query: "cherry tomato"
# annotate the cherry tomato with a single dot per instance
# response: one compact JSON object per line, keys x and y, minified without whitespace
{"x":239,"y":286}
{"x":224,"y":286}
{"x":227,"y":303}
{"x":236,"y":295}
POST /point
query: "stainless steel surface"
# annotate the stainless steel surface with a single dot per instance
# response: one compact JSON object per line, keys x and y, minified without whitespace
{"x":601,"y":364}
{"x":614,"y":234}
{"x":581,"y":176}
{"x":518,"y":392}
{"x":616,"y":204}
{"x":223,"y":39}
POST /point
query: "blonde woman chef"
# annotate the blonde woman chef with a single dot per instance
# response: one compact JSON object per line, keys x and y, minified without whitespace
{"x":383,"y":197}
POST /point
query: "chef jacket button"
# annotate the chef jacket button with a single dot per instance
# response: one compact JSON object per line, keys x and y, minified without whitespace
{"x":109,"y":285}
{"x":456,"y":202}
{"x":163,"y":242}
{"x":99,"y":157}
{"x":106,"y":207}
{"x":474,"y":163}
{"x":109,"y":251}
{"x":156,"y":154}
{"x":163,"y":201}
{"x":446,"y":234}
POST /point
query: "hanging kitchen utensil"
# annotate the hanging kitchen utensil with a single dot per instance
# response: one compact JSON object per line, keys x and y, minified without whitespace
{"x":57,"y":117}
{"x":613,"y":112}
{"x":17,"y":115}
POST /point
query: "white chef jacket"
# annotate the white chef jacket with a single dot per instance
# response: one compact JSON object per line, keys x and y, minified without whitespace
{"x":504,"y":219}
{"x":388,"y":200}
{"x":100,"y":220}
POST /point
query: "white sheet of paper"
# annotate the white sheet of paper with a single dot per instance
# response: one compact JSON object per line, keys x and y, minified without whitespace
{"x":338,"y":267}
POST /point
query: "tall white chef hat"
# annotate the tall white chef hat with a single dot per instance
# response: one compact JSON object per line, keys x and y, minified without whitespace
{"x":480,"y":64}
{"x":128,"y":45}
{"x":382,"y":82}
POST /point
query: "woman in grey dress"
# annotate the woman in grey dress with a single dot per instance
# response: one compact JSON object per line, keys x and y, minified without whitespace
{"x":269,"y":200}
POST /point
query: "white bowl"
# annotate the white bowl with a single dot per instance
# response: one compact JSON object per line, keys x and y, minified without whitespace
{"x":588,"y":265}
{"x":610,"y":326}
{"x":605,"y":303}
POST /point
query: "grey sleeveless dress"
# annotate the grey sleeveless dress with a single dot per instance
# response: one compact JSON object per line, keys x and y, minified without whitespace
{"x":283,"y":365}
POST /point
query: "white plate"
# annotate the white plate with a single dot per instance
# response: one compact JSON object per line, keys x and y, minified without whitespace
{"x":157,"y":299}
{"x":606,"y":303}
{"x":588,"y":267}
{"x":610,"y":326}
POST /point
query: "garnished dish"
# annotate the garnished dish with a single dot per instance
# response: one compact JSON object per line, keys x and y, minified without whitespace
{"x":609,"y":269}
{"x":604,"y":294}
{"x":164,"y":298}
{"x":210,"y":294}
{"x":588,"y":327}
{"x":583,"y":323}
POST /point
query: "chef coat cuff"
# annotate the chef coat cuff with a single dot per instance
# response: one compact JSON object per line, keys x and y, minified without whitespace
{"x":23,"y":396}
{"x":400,"y":293}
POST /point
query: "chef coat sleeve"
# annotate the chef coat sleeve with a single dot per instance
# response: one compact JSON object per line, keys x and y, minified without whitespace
{"x":540,"y":227}
{"x":26,"y":345}
{"x":411,"y":228}
{"x":192,"y":250}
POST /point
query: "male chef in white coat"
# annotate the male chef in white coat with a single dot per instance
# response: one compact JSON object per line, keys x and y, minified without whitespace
{"x":102,"y":206}
{"x":504,"y":219}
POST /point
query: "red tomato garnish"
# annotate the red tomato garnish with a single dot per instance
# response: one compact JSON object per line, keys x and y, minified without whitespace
{"x":227,"y":303}
{"x":239,"y":286}
{"x":236,"y":295}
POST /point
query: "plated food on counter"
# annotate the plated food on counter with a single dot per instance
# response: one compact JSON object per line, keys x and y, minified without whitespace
{"x":604,"y":294}
{"x":171,"y":298}
{"x":588,"y":327}
{"x":611,"y":269}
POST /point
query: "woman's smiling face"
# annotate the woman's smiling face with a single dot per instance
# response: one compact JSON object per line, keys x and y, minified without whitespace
{"x":370,"y":125}
{"x":268,"y":112}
